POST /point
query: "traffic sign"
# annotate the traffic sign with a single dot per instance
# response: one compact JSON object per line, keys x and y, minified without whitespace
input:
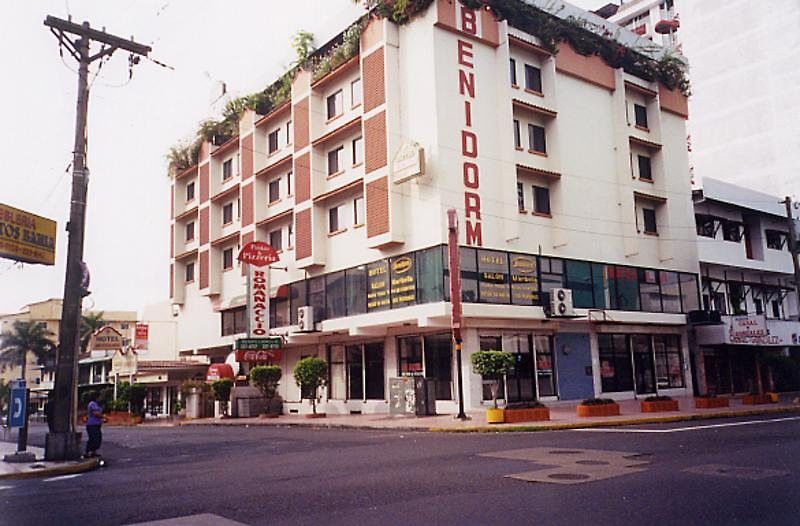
{"x":19,"y":404}
{"x":258,"y":344}
{"x":258,"y":253}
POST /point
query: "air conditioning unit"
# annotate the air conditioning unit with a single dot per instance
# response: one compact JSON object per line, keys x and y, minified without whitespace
{"x":305,"y":318}
{"x":561,"y":303}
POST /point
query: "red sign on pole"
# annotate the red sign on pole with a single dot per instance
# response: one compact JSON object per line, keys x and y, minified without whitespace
{"x":258,"y":253}
{"x":455,"y":272}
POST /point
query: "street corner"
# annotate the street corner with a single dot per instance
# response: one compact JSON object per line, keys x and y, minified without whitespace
{"x":42,"y":468}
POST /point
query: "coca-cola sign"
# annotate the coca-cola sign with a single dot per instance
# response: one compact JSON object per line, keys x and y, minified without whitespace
{"x":258,"y":356}
{"x":258,"y":253}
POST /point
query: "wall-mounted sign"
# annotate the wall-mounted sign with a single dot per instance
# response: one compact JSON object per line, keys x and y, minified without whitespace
{"x":378,"y":286}
{"x":524,"y":280}
{"x":141,"y":341}
{"x":259,"y":356}
{"x":258,"y":344}
{"x":408,"y":162}
{"x":258,"y":253}
{"x":403,"y":281}
{"x":27,"y":237}
{"x":493,"y":276}
{"x":106,"y":339}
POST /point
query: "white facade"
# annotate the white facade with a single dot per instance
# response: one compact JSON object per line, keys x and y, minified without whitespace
{"x":450,"y":91}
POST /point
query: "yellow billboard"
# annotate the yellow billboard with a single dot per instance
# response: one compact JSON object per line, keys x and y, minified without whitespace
{"x":26,"y":237}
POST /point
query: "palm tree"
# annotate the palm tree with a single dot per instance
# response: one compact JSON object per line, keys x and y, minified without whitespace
{"x":26,"y":337}
{"x":90,"y":322}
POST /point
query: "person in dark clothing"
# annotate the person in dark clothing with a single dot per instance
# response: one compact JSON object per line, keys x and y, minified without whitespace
{"x":48,"y":412}
{"x":94,"y":423}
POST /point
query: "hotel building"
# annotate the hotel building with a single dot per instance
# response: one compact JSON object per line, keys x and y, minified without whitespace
{"x":566,"y":173}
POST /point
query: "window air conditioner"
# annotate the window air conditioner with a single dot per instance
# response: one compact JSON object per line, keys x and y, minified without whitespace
{"x":561,"y":303}
{"x":305,"y":318}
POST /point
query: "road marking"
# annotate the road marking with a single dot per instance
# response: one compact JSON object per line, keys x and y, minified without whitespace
{"x":5,"y":487}
{"x":62,"y":477}
{"x":691,"y":428}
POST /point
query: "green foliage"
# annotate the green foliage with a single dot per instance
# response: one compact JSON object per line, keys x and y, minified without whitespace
{"x":5,"y":393}
{"x":303,"y":46}
{"x":658,"y":398}
{"x":138,"y":393}
{"x":90,"y":322}
{"x":265,"y":378}
{"x":398,"y":11}
{"x":598,"y":401}
{"x":222,"y":389}
{"x":309,"y":374}
{"x":492,"y":365}
{"x":124,"y":391}
{"x":341,"y":53}
{"x":115,"y":405}
{"x":26,"y":337}
{"x":183,"y":155}
{"x":188,"y":385}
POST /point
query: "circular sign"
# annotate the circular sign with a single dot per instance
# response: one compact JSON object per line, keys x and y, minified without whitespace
{"x":258,"y":253}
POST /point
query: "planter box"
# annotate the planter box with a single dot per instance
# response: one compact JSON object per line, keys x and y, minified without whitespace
{"x":711,"y":403}
{"x":598,"y":410}
{"x":121,"y":418}
{"x":659,"y":406}
{"x":534,"y":414}
{"x":756,"y":399}
{"x":495,"y":416}
{"x":315,"y":415}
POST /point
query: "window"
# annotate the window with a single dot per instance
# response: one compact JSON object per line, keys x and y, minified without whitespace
{"x":272,"y":142}
{"x":645,"y":171}
{"x":227,"y":169}
{"x":234,"y":321}
{"x":358,"y":211}
{"x":579,"y":279}
{"x":759,"y":305}
{"x":492,"y":343}
{"x":431,"y":357}
{"x":533,"y":78}
{"x":776,"y":239}
{"x":290,"y":235}
{"x":227,"y":259}
{"x":289,"y":183}
{"x":640,"y":113}
{"x":616,"y":367}
{"x":334,"y":104}
{"x":536,"y":138}
{"x":289,"y":132}
{"x":227,"y":214}
{"x":541,"y":200}
{"x":276,"y":240}
{"x":669,"y":361}
{"x":356,"y":279}
{"x":274,"y":190}
{"x":190,"y":191}
{"x":512,"y":65}
{"x":355,"y":92}
{"x":189,"y":231}
{"x":517,"y":138}
{"x":334,"y":160}
{"x":705,"y":225}
{"x":521,"y":197}
{"x":649,"y":216}
{"x":649,"y":290}
{"x":189,"y":273}
{"x":336,"y":295}
{"x":410,"y":356}
{"x":776,"y":308}
{"x":732,"y":231}
{"x":358,"y":150}
{"x":334,"y":224}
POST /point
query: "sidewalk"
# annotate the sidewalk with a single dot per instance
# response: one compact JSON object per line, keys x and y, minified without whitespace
{"x":562,"y":416}
{"x":40,"y":468}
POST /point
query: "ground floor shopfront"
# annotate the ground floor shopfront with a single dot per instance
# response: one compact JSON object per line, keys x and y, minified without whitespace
{"x":554,"y":360}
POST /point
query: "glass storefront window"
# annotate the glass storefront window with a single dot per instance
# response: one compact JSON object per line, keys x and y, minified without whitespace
{"x":670,"y":291}
{"x":492,"y":343}
{"x":690,"y":299}
{"x":410,"y":355}
{"x":335,"y":293}
{"x":602,"y":285}
{"x":439,"y":363}
{"x":626,"y":289}
{"x":336,"y":390}
{"x":649,"y":290}
{"x":545,"y":372}
{"x":669,"y":361}
{"x":316,"y":297}
{"x":278,"y":312}
{"x":378,"y":286}
{"x":355,"y":370}
{"x":616,"y":369}
{"x":373,"y":371}
{"x":493,"y":282}
{"x":356,"y":280}
{"x":644,"y":371}
{"x":469,"y":274}
{"x":579,"y":279}
{"x":403,"y":279}
{"x":524,"y":280}
{"x":551,"y":273}
{"x":430,"y":273}
{"x":297,"y":298}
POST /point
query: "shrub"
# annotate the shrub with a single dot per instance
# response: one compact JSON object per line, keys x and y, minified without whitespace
{"x":658,"y":398}
{"x":265,"y":378}
{"x":309,"y":374}
{"x":533,"y":404}
{"x":598,"y":401}
{"x":492,"y":365}
{"x":188,"y":385}
{"x":138,"y":393}
{"x":222,"y":393}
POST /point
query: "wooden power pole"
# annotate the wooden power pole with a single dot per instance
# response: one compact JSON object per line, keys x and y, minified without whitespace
{"x":64,"y":442}
{"x":793,"y":245}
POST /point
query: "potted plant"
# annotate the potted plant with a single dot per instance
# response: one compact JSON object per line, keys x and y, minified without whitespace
{"x":265,"y":378}
{"x":310,"y":374}
{"x":534,"y":411}
{"x":194,"y":392}
{"x":598,"y":407}
{"x":659,"y":403}
{"x":710,"y":401}
{"x":222,"y":394}
{"x":493,"y":366}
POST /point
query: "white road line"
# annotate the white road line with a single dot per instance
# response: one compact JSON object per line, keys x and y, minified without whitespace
{"x":62,"y":477}
{"x":692,"y":428}
{"x":5,"y":487}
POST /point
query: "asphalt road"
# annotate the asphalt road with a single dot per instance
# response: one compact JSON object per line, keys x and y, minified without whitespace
{"x":686,"y":473}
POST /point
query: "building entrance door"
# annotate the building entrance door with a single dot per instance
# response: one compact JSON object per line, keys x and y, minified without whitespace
{"x":519,"y":382}
{"x":643,"y":364}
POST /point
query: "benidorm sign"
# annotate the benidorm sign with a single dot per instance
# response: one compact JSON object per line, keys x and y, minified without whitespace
{"x":26,"y":237}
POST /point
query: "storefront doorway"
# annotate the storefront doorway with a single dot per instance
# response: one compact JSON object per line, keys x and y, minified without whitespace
{"x":643,"y":366}
{"x":642,"y":363}
{"x":533,"y":375}
{"x":430,"y":356}
{"x":730,"y":371}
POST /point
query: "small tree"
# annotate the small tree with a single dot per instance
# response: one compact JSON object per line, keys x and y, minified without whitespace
{"x":309,"y":374}
{"x":222,"y":393}
{"x":137,"y":394}
{"x":265,"y":378}
{"x":492,"y":365}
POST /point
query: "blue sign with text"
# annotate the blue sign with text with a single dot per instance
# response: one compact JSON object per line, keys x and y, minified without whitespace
{"x":18,"y":407}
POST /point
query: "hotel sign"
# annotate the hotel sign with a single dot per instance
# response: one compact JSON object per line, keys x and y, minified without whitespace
{"x":403,"y":281}
{"x":107,"y":339}
{"x":27,"y":237}
{"x":408,"y":162}
{"x":378,"y":286}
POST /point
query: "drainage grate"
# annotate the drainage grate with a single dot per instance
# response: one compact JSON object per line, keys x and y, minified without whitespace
{"x":592,"y":462}
{"x":568,"y":476}
{"x":566,"y":452}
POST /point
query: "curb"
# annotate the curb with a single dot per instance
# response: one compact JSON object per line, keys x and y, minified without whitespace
{"x":616,"y":423}
{"x":69,"y":469}
{"x":312,"y":425}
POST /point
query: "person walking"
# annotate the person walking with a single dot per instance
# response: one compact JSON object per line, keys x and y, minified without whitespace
{"x":94,"y":422}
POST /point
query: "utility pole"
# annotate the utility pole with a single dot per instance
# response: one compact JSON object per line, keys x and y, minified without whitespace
{"x":64,"y":442}
{"x":793,"y":248}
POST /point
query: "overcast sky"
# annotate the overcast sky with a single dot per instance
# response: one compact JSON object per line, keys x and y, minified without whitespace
{"x":132,"y":123}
